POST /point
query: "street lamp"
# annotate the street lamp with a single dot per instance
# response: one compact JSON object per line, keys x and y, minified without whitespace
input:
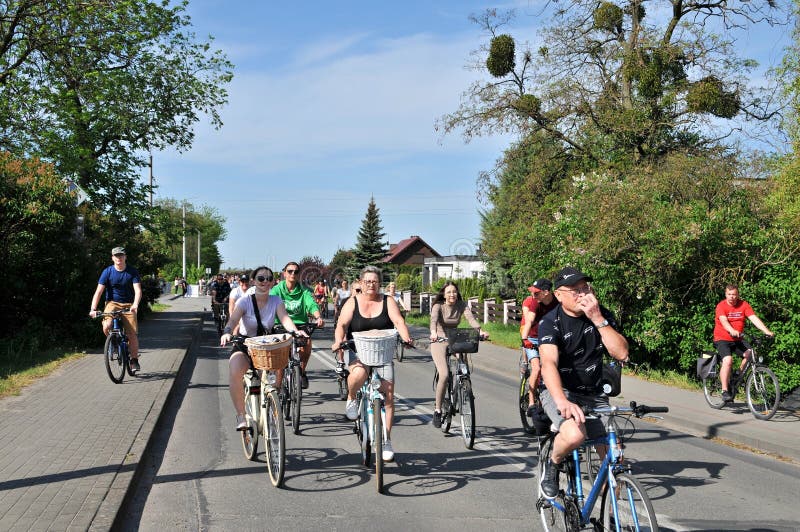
{"x":198,"y":248}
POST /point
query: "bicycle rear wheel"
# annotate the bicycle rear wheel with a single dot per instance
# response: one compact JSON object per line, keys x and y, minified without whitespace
{"x":467,"y":408}
{"x":377,"y":426}
{"x":634,"y":509}
{"x":763,"y":392}
{"x":712,"y":391}
{"x":252,"y":409}
{"x":275,"y":440}
{"x":114,"y":358}
{"x":297,"y":397}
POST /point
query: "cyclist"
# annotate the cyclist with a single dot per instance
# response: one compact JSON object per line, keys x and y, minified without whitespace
{"x":573,"y":337}
{"x":124,"y":293}
{"x":364,"y":312}
{"x":540,"y":302}
{"x":729,"y":322}
{"x":320,"y":293}
{"x":299,"y":304}
{"x":220,"y":290}
{"x":255,"y":315}
{"x":391,"y":291}
{"x":446,"y":312}
{"x":342,"y":294}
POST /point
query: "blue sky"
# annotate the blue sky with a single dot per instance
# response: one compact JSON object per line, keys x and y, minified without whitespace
{"x":334,"y":102}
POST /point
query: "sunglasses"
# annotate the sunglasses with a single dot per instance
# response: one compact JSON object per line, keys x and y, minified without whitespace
{"x":291,"y":272}
{"x":358,"y":291}
{"x":264,"y":279}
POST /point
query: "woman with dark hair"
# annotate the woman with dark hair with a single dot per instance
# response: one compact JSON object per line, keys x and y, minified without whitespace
{"x":267,"y":308}
{"x":446,"y":313}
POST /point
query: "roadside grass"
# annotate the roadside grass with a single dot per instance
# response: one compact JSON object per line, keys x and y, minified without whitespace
{"x":508,"y":336}
{"x":23,"y":361}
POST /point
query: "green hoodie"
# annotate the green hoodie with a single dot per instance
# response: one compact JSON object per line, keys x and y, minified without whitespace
{"x":299,"y":302}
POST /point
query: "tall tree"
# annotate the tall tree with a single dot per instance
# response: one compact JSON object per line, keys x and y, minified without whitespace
{"x":369,"y":248}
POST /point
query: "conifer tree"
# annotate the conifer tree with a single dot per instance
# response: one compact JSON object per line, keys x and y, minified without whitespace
{"x":369,"y":248}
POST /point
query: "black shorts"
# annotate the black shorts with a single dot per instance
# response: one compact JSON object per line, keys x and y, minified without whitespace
{"x":725,"y":348}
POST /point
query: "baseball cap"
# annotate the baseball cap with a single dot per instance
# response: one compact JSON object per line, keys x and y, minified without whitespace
{"x":569,"y":276}
{"x":244,"y":278}
{"x":119,"y":250}
{"x":540,"y":285}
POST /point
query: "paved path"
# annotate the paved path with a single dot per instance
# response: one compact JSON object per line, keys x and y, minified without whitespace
{"x":71,"y":444}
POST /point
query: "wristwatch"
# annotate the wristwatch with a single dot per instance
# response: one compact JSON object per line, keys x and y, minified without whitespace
{"x":603,"y":324}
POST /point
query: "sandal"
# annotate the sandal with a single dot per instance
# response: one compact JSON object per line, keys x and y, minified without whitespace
{"x":241,"y":422}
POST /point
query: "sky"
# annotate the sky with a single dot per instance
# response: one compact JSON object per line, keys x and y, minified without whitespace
{"x":333,"y":103}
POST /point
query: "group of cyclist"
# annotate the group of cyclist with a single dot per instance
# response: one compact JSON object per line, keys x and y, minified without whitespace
{"x":565,"y":333}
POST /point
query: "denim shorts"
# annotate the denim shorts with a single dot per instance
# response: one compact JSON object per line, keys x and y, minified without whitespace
{"x":532,"y":353}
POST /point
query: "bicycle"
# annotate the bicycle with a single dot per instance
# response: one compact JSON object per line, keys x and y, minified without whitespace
{"x":761,"y":385}
{"x":262,"y":404}
{"x":531,"y":425}
{"x":341,"y":377}
{"x":116,"y":352}
{"x":458,"y":396}
{"x":399,"y":349}
{"x":370,"y":425}
{"x":624,"y":504}
{"x":291,"y":394}
{"x":220,"y":311}
{"x":322,"y":304}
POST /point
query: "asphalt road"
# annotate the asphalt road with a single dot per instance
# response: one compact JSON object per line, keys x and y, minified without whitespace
{"x":196,"y":477}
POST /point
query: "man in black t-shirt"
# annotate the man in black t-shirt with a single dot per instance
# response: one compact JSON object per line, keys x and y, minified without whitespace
{"x":573,"y":338}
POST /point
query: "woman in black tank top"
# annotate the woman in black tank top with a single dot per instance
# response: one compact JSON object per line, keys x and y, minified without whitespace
{"x":363,"y":312}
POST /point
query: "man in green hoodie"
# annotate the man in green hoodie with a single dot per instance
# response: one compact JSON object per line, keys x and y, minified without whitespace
{"x":300,"y":305}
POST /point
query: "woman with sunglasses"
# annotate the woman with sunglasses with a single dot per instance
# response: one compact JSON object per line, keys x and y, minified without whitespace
{"x":300,"y":305}
{"x":244,"y":313}
{"x":367,"y":311}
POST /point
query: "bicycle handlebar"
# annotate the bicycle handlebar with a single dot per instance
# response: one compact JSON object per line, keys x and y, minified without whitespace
{"x":634,"y":409}
{"x":351,"y":345}
{"x":111,"y":314}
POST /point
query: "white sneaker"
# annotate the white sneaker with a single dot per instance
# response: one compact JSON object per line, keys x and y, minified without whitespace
{"x":351,"y":410}
{"x":388,"y":452}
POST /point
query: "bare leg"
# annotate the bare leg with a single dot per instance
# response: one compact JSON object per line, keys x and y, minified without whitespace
{"x":238,"y":366}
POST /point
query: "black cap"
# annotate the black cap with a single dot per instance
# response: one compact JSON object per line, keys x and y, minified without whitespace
{"x":569,"y":276}
{"x":243,"y":277}
{"x":540,"y":285}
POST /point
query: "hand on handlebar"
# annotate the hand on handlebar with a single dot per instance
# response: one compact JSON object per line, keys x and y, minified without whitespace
{"x":527,"y":344}
{"x":224,"y":339}
{"x":570,"y":410}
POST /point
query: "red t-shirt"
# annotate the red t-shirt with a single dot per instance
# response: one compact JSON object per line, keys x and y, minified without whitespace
{"x":539,"y":310}
{"x":737,"y":317}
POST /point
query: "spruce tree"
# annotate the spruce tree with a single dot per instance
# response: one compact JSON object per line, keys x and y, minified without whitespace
{"x":369,"y":247}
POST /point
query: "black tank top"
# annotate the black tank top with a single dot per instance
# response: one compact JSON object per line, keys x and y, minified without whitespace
{"x":360,"y":323}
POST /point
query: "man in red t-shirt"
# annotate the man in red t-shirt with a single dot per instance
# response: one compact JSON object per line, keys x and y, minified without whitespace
{"x":540,"y":302}
{"x":729,"y":321}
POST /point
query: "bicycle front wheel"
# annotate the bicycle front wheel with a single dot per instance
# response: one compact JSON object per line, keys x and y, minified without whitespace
{"x":252,"y":409}
{"x":467,"y":403}
{"x":763,"y":392}
{"x":275,"y":440}
{"x":447,"y":409}
{"x":527,"y":423}
{"x":399,"y":351}
{"x":634,"y":509}
{"x":362,"y":431}
{"x":377,"y":427}
{"x":297,"y":396}
{"x":551,"y":512}
{"x":712,"y":391}
{"x":115,"y":358}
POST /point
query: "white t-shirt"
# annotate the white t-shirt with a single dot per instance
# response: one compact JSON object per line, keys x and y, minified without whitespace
{"x":342,"y":295}
{"x":248,"y":325}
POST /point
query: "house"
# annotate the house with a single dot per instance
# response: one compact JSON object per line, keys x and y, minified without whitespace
{"x":451,"y":267}
{"x":411,"y":251}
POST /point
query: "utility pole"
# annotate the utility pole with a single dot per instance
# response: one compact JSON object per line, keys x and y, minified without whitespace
{"x":184,"y":239}
{"x":151,"y":180}
{"x":198,"y":248}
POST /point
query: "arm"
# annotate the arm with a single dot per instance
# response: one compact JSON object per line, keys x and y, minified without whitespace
{"x":472,"y":321}
{"x":233,"y":319}
{"x":728,"y":327}
{"x":760,"y":325}
{"x":137,"y":297}
{"x":345,"y":317}
{"x":312,"y":307}
{"x":436,"y":311}
{"x":397,"y":319}
{"x":548,"y":355}
{"x":285,"y":320}
{"x":96,"y":299}
{"x":615,"y":343}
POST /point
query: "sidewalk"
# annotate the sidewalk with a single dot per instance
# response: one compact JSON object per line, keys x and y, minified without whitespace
{"x":688,"y":410}
{"x":71,"y":443}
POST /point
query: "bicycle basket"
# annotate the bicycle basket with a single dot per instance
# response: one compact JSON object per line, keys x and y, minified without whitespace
{"x":375,"y":347}
{"x":463,"y":340}
{"x":270,"y":352}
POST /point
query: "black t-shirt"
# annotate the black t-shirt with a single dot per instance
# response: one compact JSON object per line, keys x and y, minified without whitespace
{"x":222,"y":289}
{"x":580,"y":348}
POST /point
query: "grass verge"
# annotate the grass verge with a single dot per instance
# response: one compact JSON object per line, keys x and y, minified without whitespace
{"x":14,"y":379}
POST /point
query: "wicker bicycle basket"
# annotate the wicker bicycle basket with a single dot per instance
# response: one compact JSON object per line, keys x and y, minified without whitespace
{"x":376,"y":347}
{"x":270,"y":352}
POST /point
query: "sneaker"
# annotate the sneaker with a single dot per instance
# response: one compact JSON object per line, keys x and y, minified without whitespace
{"x":135,"y":365}
{"x":549,"y":481}
{"x":388,"y":452}
{"x":437,"y":419}
{"x":726,"y":396}
{"x":304,"y":380}
{"x":351,"y":410}
{"x":531,"y":410}
{"x":241,"y":422}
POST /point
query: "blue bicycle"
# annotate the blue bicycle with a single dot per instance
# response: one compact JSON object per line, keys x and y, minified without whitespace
{"x":624,"y":505}
{"x":116,"y":353}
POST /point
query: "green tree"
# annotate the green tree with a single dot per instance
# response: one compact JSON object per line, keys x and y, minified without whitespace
{"x":369,"y":248}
